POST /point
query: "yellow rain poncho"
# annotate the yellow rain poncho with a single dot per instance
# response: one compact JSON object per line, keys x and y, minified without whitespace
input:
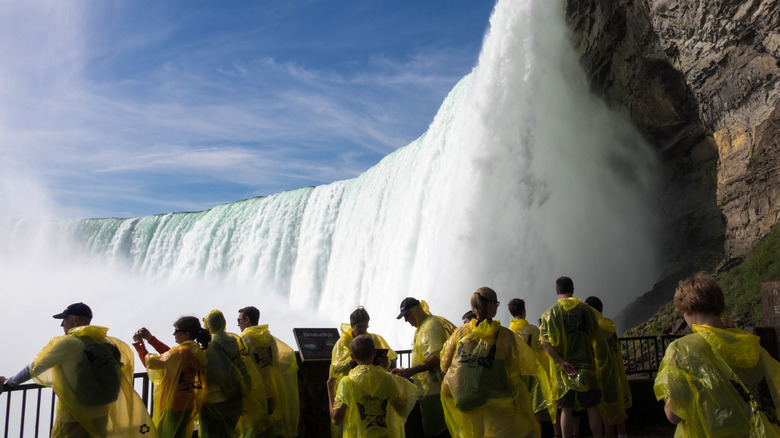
{"x":721,"y":383}
{"x":575,"y":346}
{"x":377,"y":402}
{"x":615,"y":392}
{"x":231,"y":392}
{"x":340,"y":361}
{"x":483,"y":393}
{"x":178,"y":381}
{"x":58,"y":366}
{"x":538,"y":384}
{"x":277,"y":365}
{"x":429,"y":338}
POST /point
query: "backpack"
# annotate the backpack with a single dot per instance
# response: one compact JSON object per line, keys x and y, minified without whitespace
{"x":98,"y":374}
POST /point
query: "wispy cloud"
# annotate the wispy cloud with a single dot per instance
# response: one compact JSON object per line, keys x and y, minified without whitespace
{"x":119,"y":107}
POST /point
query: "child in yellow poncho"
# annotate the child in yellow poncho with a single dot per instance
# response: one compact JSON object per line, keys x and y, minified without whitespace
{"x":370,"y":401}
{"x":718,"y":381}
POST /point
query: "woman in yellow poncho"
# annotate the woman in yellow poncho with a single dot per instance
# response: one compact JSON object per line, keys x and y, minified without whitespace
{"x":483,"y":393}
{"x":718,"y":381}
{"x":176,"y":375}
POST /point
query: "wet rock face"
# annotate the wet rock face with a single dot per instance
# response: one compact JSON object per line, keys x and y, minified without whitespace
{"x":701,"y":79}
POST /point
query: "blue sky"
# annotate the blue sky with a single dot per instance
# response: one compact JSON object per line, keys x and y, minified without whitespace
{"x":131,"y":108}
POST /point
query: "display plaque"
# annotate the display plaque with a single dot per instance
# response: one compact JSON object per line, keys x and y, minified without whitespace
{"x":315,"y":343}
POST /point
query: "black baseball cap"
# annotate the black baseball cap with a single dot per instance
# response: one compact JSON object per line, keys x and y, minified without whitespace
{"x":406,"y":305}
{"x":78,"y":309}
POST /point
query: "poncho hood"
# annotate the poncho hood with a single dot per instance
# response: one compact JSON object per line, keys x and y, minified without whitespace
{"x":738,"y":348}
{"x":517,"y":324}
{"x":259,"y":332}
{"x":89,"y":331}
{"x":485,"y":328}
{"x":346,"y":331}
{"x":569,"y":303}
{"x":214,"y":321}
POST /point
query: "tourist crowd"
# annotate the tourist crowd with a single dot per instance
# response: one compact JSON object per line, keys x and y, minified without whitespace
{"x":477,"y":380}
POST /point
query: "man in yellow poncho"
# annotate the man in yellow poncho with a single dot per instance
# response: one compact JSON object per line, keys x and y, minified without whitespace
{"x":615,"y":392}
{"x":341,"y":362}
{"x":718,"y":381}
{"x":91,"y":374}
{"x":568,"y":332}
{"x":278,"y":368}
{"x":537,"y":383}
{"x":370,"y":401}
{"x":429,"y":337}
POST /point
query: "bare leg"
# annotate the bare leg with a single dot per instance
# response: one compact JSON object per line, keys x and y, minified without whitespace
{"x":557,"y":425}
{"x":567,"y":422}
{"x":621,"y":427}
{"x":594,"y":418}
{"x":609,"y":431}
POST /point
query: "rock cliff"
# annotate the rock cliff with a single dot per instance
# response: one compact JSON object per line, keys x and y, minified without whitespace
{"x":701,"y":80}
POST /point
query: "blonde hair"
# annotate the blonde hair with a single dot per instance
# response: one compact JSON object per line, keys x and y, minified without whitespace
{"x":480,"y":299}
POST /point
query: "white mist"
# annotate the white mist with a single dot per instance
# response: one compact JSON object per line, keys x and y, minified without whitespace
{"x":523,"y":176}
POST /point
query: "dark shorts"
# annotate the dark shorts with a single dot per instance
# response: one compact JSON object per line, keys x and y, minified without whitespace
{"x":587,"y":399}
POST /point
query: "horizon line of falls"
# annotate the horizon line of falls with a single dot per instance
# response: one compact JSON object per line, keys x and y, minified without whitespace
{"x":522,"y":176}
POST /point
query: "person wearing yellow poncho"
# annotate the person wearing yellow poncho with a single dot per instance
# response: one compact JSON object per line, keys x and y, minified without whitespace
{"x":277,"y":365}
{"x":568,"y":332}
{"x":615,"y":392}
{"x":429,"y":337}
{"x":234,"y":388}
{"x":341,"y":363}
{"x":93,"y":400}
{"x":718,"y":381}
{"x":177,"y":375}
{"x":483,"y":393}
{"x":370,"y":401}
{"x":538,"y":384}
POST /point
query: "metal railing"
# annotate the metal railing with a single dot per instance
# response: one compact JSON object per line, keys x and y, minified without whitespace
{"x":35,"y":410}
{"x":643,"y":354}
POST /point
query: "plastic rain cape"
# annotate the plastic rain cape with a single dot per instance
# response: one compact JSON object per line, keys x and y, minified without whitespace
{"x":576,"y":346}
{"x":429,"y":338}
{"x":721,"y":383}
{"x":56,"y":366}
{"x":235,"y":402}
{"x":538,"y":384}
{"x":277,"y":365}
{"x":340,"y":360}
{"x":377,"y":402}
{"x":484,"y":366}
{"x":615,"y":392}
{"x":178,"y":381}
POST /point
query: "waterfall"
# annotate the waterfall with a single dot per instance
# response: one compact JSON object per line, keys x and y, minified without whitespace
{"x":522,"y":176}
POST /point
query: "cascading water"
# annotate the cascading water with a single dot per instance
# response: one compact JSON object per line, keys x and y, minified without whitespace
{"x":523,"y":176}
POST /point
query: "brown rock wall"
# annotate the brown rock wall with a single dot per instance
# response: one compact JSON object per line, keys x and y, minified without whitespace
{"x":701,"y":79}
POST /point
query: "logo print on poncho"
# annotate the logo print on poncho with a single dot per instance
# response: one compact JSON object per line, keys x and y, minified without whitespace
{"x":373,"y":411}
